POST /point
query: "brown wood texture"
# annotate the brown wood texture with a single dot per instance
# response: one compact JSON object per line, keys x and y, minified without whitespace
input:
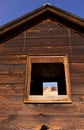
{"x":46,"y":38}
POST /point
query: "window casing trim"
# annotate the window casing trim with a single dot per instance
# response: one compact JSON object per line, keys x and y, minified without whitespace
{"x":47,"y":59}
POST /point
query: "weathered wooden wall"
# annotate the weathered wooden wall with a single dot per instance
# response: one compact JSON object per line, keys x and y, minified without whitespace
{"x":46,"y":38}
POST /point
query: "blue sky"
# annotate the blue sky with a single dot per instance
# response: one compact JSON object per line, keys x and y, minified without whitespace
{"x":50,"y":84}
{"x":12,"y":9}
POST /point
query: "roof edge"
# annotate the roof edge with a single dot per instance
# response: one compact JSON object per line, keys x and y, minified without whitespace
{"x":44,"y":8}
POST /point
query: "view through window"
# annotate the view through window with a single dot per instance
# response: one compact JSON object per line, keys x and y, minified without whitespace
{"x":50,"y":88}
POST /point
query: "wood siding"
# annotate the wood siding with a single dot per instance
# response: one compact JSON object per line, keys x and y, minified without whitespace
{"x":45,"y":38}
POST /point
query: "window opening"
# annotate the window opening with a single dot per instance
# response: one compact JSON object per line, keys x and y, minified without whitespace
{"x":47,"y":79}
{"x":47,"y":74}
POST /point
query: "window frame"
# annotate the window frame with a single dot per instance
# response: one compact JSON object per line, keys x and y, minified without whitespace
{"x":47,"y":59}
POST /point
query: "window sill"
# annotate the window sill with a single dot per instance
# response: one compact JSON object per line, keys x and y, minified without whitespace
{"x":48,"y":99}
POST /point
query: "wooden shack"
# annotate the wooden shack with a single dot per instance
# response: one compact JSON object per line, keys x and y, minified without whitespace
{"x":46,"y":31}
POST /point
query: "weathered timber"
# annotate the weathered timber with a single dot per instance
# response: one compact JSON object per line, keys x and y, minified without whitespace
{"x":12,"y":59}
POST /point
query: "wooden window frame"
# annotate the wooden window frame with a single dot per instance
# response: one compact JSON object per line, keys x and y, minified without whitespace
{"x":47,"y":59}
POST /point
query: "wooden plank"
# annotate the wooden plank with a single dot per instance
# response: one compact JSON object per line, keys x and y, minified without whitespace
{"x":77,"y":41}
{"x":76,"y":58}
{"x":34,"y":50}
{"x":59,"y":49}
{"x":78,"y":99}
{"x":56,"y":49}
{"x":19,"y":41}
{"x":47,"y":59}
{"x":11,"y":89}
{"x":14,"y":50}
{"x":47,"y":34}
{"x":34,"y":42}
{"x":12,"y":69}
{"x":77,"y":78}
{"x":13,"y":59}
{"x":12,"y":72}
{"x":47,"y":49}
{"x":77,"y":88}
{"x":78,"y":49}
{"x":57,"y":41}
{"x":12,"y":79}
{"x":76,"y":67}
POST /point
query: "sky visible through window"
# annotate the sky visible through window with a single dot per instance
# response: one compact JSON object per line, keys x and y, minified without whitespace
{"x":50,"y":84}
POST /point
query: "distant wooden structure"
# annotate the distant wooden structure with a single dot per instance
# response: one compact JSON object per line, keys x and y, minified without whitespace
{"x":45,"y":31}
